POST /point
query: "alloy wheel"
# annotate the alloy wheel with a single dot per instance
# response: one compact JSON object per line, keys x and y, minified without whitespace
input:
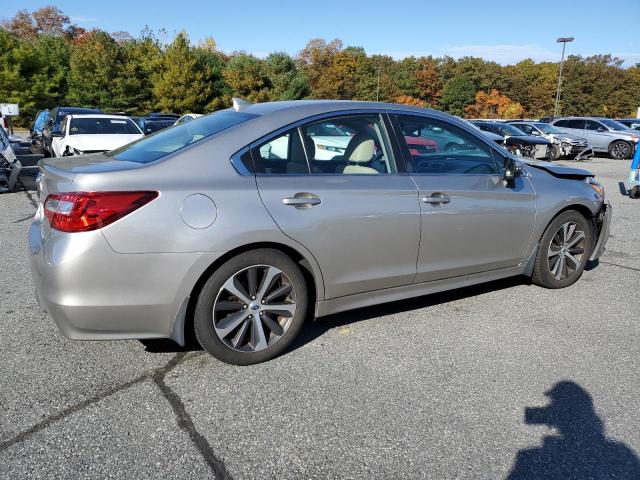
{"x":254,"y":308}
{"x":620,"y":150}
{"x":566,"y":250}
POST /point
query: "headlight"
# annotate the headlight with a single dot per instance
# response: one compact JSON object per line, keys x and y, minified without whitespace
{"x":329,"y":148}
{"x":596,"y":186}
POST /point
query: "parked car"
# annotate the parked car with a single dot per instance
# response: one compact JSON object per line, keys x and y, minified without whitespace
{"x":187,"y":118}
{"x":97,"y":133}
{"x":52,"y":125}
{"x":603,"y":134}
{"x":194,"y":227}
{"x":156,"y":121}
{"x":516,"y":141}
{"x":10,"y":166}
{"x":499,"y":139}
{"x":563,"y":144}
{"x":632,"y":123}
{"x":35,"y":131}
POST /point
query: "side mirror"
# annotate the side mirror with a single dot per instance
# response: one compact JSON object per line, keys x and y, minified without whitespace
{"x":535,"y":133}
{"x":601,"y":129}
{"x":511,"y":170}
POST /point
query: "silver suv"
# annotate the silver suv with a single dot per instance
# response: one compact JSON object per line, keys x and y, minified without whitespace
{"x":239,"y":224}
{"x":603,"y":134}
{"x":564,"y":144}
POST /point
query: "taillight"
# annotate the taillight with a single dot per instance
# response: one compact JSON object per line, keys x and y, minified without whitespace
{"x":85,"y":211}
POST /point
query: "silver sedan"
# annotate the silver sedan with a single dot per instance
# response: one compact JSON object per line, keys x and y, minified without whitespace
{"x":240,"y":224}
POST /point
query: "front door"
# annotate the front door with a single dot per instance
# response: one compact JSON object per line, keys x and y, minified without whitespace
{"x":471,"y":222}
{"x":340,"y":194}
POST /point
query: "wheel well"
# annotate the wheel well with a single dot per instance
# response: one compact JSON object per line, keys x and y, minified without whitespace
{"x":306,"y":269}
{"x":619,"y":140}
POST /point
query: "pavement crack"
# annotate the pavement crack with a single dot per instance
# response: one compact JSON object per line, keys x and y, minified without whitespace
{"x":29,"y":195}
{"x":23,"y":219}
{"x":185,"y":422}
{"x":51,"y":419}
{"x":621,"y":266}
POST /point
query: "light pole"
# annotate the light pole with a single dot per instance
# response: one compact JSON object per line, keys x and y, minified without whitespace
{"x":378,"y":87}
{"x":563,"y":41}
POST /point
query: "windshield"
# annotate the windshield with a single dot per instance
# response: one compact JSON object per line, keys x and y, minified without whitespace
{"x":102,"y":126}
{"x":613,"y":125}
{"x":506,"y":129}
{"x":546,"y":128}
{"x":167,"y":141}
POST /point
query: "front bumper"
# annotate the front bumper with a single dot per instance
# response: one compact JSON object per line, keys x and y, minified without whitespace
{"x":603,"y":221}
{"x":94,"y":293}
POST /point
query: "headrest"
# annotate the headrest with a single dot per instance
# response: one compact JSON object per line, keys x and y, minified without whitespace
{"x":360,"y":149}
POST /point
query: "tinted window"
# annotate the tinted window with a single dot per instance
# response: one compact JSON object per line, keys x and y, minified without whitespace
{"x":505,"y":129}
{"x":102,"y":126}
{"x":355,"y":144}
{"x":168,"y":141}
{"x":613,"y":125}
{"x":591,"y":125}
{"x":449,"y":149}
{"x":579,"y":124}
{"x":525,"y":128}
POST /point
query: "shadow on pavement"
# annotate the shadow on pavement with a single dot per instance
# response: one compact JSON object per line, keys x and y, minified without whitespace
{"x":580,"y":449}
{"x":313,"y":329}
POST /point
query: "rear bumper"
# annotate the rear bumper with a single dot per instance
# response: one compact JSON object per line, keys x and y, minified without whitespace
{"x":94,"y":293}
{"x":604,"y":226}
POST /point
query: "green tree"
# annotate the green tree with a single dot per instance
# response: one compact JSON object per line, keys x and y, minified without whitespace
{"x":287,"y":82}
{"x":247,"y":78}
{"x":180,"y":84}
{"x":457,"y":93}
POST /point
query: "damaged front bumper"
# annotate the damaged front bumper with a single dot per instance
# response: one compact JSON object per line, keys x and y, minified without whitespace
{"x":603,"y":223}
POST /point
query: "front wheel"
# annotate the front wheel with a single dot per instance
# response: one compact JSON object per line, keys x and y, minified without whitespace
{"x":620,"y":150}
{"x":563,"y":251}
{"x":251,"y":308}
{"x":554,"y":152}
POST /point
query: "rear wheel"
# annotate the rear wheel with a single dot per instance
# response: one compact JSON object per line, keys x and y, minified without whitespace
{"x":251,"y":308}
{"x":620,"y":150}
{"x":563,"y":251}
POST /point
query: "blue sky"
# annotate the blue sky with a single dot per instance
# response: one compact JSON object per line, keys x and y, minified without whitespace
{"x":503,"y":31}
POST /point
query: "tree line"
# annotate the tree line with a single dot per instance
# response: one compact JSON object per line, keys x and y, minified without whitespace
{"x":45,"y":61}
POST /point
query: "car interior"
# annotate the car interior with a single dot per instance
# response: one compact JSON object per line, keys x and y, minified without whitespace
{"x":362,"y":139}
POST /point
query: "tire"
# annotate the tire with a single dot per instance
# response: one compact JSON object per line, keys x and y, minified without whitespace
{"x":548,"y":272}
{"x":231,"y":333}
{"x":554,"y":153}
{"x":634,"y":192}
{"x":620,"y":150}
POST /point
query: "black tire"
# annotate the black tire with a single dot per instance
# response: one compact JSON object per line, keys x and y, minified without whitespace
{"x":634,"y":192}
{"x":542,"y":271}
{"x":204,"y":311}
{"x":554,"y":153}
{"x":620,"y":150}
{"x":46,"y":153}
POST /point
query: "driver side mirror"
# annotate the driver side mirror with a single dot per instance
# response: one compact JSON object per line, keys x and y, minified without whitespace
{"x":535,"y":133}
{"x":511,"y":170}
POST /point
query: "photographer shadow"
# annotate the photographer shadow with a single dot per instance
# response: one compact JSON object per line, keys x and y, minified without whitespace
{"x":580,"y":449}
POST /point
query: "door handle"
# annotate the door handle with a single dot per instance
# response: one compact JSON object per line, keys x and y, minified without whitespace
{"x":302,"y":200}
{"x":437,"y":199}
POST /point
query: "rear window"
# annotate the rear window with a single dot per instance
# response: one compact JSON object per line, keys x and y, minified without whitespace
{"x":167,"y":141}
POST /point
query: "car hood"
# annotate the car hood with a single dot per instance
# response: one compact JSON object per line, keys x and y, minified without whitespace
{"x":530,"y":139}
{"x":104,"y":143}
{"x":557,"y":170}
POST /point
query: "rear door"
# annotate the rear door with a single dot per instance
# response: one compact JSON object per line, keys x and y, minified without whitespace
{"x":355,"y":209}
{"x":471,"y":222}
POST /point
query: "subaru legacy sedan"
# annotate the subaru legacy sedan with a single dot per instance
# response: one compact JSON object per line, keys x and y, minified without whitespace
{"x":233,"y":226}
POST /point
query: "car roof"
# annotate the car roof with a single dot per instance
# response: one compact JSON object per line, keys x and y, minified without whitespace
{"x":327,"y":106}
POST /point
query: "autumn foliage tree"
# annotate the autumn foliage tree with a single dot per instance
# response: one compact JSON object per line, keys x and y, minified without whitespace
{"x":494,"y":105}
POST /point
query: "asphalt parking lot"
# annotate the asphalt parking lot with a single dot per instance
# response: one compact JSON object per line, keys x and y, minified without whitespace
{"x":434,"y":387}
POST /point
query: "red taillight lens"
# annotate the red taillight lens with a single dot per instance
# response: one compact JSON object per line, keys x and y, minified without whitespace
{"x":84,"y":211}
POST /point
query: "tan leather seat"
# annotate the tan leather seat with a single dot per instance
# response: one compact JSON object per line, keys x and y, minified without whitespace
{"x":360,"y":150}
